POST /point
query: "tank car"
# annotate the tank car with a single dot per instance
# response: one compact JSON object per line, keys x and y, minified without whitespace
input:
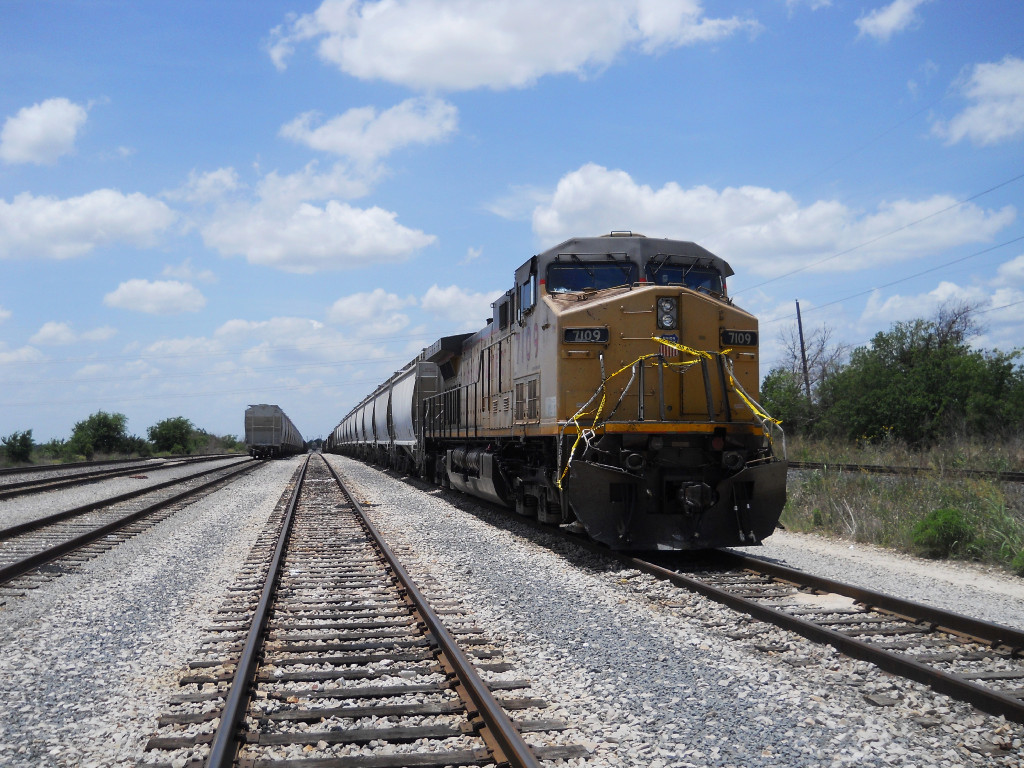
{"x":269,"y":433}
{"x":614,"y":389}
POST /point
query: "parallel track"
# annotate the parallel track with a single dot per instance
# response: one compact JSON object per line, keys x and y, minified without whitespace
{"x":878,"y":469}
{"x":329,"y":655}
{"x":975,"y":661}
{"x":71,"y":480}
{"x":29,"y":546}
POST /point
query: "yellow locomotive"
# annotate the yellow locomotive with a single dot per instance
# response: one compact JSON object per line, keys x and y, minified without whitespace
{"x":614,"y":389}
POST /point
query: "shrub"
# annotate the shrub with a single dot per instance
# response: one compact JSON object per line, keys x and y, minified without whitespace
{"x":943,"y":532}
{"x":18,"y":446}
{"x":1018,"y":563}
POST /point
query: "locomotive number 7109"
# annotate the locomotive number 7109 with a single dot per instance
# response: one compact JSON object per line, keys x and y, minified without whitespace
{"x":585,"y":335}
{"x":732,"y":338}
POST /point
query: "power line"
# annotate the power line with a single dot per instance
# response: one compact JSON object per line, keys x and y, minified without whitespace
{"x":885,"y":235}
{"x":901,"y":280}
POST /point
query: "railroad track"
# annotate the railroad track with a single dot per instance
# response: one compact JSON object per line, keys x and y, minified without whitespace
{"x":327,"y":654}
{"x":975,"y":661}
{"x":30,"y":551}
{"x":39,"y":485}
{"x":1006,"y":477}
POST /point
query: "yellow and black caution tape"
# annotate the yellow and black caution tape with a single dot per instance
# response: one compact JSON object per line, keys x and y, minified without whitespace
{"x":585,"y":433}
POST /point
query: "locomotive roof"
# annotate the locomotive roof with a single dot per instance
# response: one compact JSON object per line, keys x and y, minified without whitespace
{"x":635,"y":247}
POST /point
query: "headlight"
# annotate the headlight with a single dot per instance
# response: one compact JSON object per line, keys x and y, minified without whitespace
{"x":668,"y":311}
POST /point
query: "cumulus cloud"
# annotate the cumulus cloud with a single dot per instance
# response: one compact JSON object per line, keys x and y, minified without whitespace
{"x":62,"y":229}
{"x":4,"y":314}
{"x":1012,"y":271}
{"x":995,"y":92}
{"x":54,"y":333}
{"x":883,"y":23}
{"x":757,"y":229}
{"x":465,"y":44}
{"x":365,"y":135}
{"x":308,"y":238}
{"x":468,"y":309}
{"x":896,"y":307}
{"x":209,"y":187}
{"x":42,"y":133}
{"x":160,"y":297}
{"x":360,"y":308}
{"x":21,"y":355}
{"x":185,"y":271}
{"x":339,"y":181}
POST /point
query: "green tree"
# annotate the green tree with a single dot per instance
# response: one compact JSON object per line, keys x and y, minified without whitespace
{"x":784,"y":398}
{"x":921,"y":380}
{"x":18,"y":446}
{"x":102,"y":432}
{"x":172,"y":435}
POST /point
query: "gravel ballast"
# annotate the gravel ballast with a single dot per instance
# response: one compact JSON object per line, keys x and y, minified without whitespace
{"x":658,"y":677}
{"x":89,"y":660}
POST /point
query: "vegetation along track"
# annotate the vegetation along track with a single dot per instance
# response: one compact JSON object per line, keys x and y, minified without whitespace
{"x":29,"y":551}
{"x":72,"y":479}
{"x":975,"y":661}
{"x":327,"y":654}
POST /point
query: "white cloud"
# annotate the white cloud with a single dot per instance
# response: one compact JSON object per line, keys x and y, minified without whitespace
{"x":307,"y":239}
{"x":161,"y":297}
{"x":185,"y":271}
{"x":814,"y":5}
{"x":466,"y":44}
{"x":209,"y":187}
{"x":4,"y":314}
{"x":62,"y":229}
{"x":42,"y":133}
{"x":897,"y":307}
{"x":996,"y":111}
{"x":360,"y":308}
{"x":1012,"y":271}
{"x":467,"y":308}
{"x":21,"y":355}
{"x":472,"y":254}
{"x":365,"y":135}
{"x":757,"y":229}
{"x":54,"y":333}
{"x":883,"y":23}
{"x":309,"y":184}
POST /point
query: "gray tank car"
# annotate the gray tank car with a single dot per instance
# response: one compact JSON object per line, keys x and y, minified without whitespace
{"x":269,"y":433}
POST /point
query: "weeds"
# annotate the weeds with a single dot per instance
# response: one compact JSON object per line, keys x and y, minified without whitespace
{"x":939,"y":514}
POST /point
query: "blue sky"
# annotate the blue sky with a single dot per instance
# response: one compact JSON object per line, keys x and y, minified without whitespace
{"x":205,"y":205}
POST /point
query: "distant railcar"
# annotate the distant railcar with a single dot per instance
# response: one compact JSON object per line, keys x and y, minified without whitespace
{"x":269,"y":433}
{"x":614,"y":389}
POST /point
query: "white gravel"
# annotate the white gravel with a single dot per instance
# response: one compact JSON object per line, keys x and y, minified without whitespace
{"x":88,"y":661}
{"x":658,"y":677}
{"x":21,"y":509}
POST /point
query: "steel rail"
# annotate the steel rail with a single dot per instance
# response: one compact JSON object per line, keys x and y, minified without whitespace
{"x":516,"y":752}
{"x":225,"y":741}
{"x":21,"y":567}
{"x":879,"y":469}
{"x":56,"y":517}
{"x":24,"y":487}
{"x":983,"y":698}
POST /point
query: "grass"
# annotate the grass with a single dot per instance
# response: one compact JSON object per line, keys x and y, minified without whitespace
{"x":937,"y":515}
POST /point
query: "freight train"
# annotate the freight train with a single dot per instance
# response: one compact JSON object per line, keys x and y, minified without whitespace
{"x":614,"y":390}
{"x":269,"y":433}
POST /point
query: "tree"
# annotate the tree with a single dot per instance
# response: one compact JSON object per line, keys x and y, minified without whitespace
{"x":18,"y":446}
{"x":824,"y":355}
{"x":783,"y":397}
{"x":172,"y":435}
{"x":102,"y":432}
{"x":920,"y":380}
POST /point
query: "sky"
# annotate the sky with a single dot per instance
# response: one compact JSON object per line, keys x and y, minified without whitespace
{"x":207,"y":204}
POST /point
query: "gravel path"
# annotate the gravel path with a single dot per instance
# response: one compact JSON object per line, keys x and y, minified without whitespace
{"x":21,"y":509}
{"x":89,"y":660}
{"x":657,"y":677}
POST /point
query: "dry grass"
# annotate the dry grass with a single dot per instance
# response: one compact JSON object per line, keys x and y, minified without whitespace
{"x":886,"y":509}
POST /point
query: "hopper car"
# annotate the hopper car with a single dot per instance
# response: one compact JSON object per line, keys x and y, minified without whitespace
{"x":613,"y":390}
{"x":269,"y":433}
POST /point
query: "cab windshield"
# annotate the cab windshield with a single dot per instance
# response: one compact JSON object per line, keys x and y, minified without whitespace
{"x":697,"y":278}
{"x":577,"y":276}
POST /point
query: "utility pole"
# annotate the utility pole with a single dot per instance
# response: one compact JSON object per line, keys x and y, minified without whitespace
{"x":803,"y":350}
